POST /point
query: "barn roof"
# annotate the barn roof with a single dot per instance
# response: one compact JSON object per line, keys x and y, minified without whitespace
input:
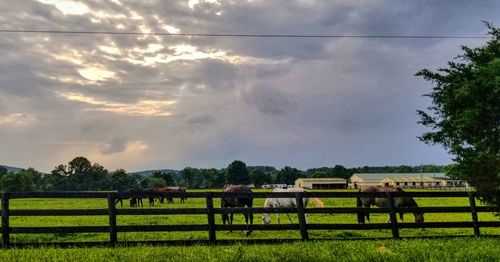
{"x":410,"y":179}
{"x":323,"y":180}
{"x":380,"y":176}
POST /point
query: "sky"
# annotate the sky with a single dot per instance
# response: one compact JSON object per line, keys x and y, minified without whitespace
{"x":148,"y":102}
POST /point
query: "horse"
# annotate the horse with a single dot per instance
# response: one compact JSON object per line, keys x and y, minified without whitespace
{"x":228,"y":202}
{"x":404,"y":202}
{"x":150,"y":195}
{"x":287,"y":203}
{"x":135,"y":200}
{"x":170,"y":200}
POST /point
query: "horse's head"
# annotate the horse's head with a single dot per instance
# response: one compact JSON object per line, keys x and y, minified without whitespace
{"x":419,"y":217}
{"x":266,"y":219}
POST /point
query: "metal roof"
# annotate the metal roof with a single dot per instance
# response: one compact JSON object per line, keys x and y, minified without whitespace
{"x":380,"y":176}
{"x":322,"y":179}
{"x":410,"y":179}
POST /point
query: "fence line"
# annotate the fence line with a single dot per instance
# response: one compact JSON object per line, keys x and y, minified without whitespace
{"x":211,"y":227}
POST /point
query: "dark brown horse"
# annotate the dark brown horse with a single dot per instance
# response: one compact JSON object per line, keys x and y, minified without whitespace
{"x":135,"y":198}
{"x":228,"y":202}
{"x":383,"y":202}
{"x":170,"y":200}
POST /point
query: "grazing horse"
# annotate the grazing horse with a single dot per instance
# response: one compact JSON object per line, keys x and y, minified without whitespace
{"x":383,"y":202}
{"x":150,"y":195}
{"x":287,"y":203}
{"x":228,"y":202}
{"x":170,"y":200}
{"x":135,"y":200}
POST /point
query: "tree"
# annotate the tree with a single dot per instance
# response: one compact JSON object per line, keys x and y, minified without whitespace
{"x":465,"y":115}
{"x":78,"y":170}
{"x":152,"y":182}
{"x":237,"y":173}
{"x":187,"y":175}
{"x":120,"y":180}
{"x":18,"y":182}
{"x":166,"y":176}
{"x":288,"y":175}
{"x":211,"y":178}
{"x":3,"y":171}
{"x":259,"y":177}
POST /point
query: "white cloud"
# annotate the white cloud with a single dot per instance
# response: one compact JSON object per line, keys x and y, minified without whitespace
{"x":68,"y":7}
{"x":171,"y":29}
{"x":96,"y":74}
{"x":17,"y":119}
{"x":140,"y":108}
{"x":193,"y":3}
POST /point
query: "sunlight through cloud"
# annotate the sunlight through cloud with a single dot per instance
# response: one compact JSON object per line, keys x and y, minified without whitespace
{"x":68,"y":7}
{"x":96,"y":74}
{"x":140,"y":108}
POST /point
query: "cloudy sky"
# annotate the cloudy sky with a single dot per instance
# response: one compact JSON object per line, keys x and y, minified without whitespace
{"x":144,"y":101}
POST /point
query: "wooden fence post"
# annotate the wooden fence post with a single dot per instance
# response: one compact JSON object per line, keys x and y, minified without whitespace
{"x":301,"y":213}
{"x":211,"y":217}
{"x":113,"y":235}
{"x":472,"y":201}
{"x":392,"y":215}
{"x":5,"y":220}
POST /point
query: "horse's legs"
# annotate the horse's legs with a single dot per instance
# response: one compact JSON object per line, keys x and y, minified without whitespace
{"x":246,"y":217}
{"x":231,"y":220}
{"x":361,"y":214}
{"x":289,"y":217}
{"x":278,"y":217}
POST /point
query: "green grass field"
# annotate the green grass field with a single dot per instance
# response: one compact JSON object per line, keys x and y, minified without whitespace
{"x":324,"y":250}
{"x":463,"y":249}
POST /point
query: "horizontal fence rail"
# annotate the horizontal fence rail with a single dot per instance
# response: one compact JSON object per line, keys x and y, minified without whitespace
{"x":210,"y":211}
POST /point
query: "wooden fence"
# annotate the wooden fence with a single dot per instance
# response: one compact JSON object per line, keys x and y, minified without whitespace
{"x":211,"y":227}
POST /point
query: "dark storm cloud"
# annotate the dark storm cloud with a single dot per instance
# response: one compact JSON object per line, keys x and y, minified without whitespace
{"x":200,"y":119}
{"x":270,"y":100}
{"x":117,"y":144}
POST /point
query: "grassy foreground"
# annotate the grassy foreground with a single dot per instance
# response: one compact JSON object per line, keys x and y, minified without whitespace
{"x":463,"y":249}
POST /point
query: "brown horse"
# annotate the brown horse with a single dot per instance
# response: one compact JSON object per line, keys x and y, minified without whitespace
{"x":228,"y":202}
{"x":170,"y":200}
{"x":135,"y":199}
{"x":383,"y":202}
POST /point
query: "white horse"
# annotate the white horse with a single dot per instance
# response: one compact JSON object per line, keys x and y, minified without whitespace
{"x":287,"y":203}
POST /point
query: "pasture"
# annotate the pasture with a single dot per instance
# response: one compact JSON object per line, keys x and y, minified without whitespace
{"x":125,"y":220}
{"x":455,"y":249}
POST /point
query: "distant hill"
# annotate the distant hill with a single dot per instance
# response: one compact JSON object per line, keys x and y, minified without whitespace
{"x":11,"y":169}
{"x":150,"y":172}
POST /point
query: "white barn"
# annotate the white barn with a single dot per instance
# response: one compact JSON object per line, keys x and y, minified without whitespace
{"x":359,"y":180}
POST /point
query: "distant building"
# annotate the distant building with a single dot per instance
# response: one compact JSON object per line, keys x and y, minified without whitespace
{"x":412,"y":182}
{"x":359,"y":180}
{"x":321,"y":183}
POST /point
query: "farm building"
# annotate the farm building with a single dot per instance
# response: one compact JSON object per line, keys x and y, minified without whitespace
{"x":412,"y":182}
{"x":397,"y":179}
{"x":321,"y":183}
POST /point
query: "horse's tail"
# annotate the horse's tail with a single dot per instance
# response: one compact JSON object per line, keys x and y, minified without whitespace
{"x":316,"y":202}
{"x":361,"y":215}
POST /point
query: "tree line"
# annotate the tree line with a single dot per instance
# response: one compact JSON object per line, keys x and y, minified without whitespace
{"x":82,"y":175}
